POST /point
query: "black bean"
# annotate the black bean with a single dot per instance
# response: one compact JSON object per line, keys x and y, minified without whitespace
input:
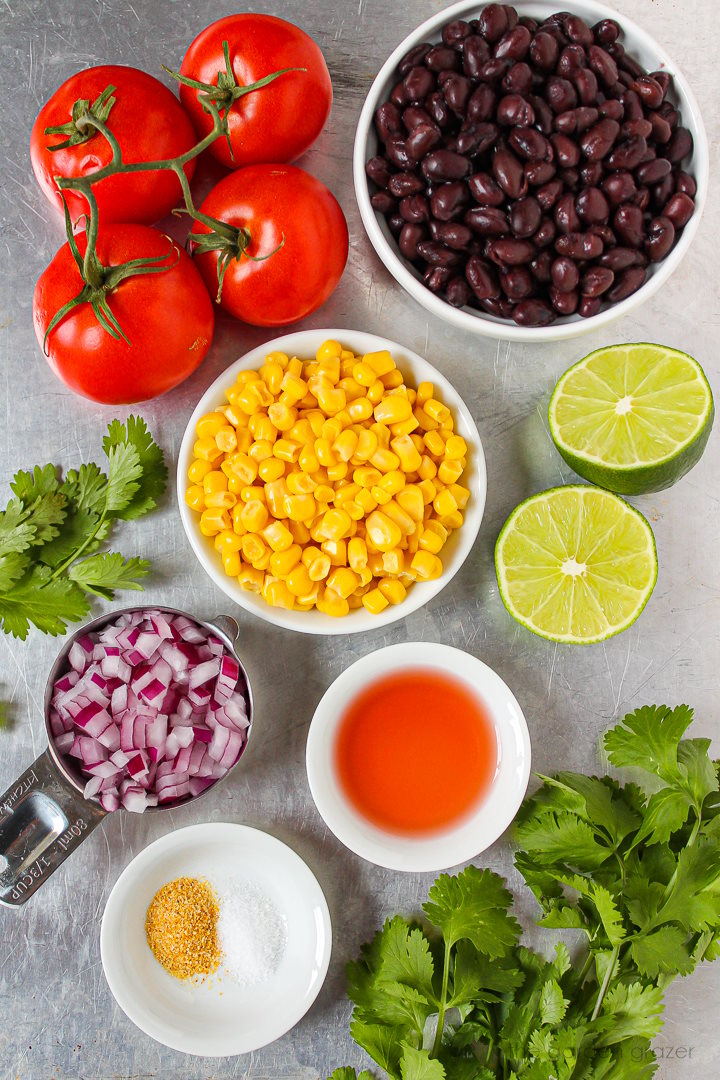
{"x":494,"y":69}
{"x":579,"y":119}
{"x":592,"y":206}
{"x":456,"y":32}
{"x":518,"y":80}
{"x":524,"y":217}
{"x":501,"y":308}
{"x":627,"y":283}
{"x":383,"y":202}
{"x":649,"y":91}
{"x":628,"y":225}
{"x":533,"y":312}
{"x":565,"y":303}
{"x":660,"y":128}
{"x":415,"y":56}
{"x":543,"y":114}
{"x":514,"y":44}
{"x":628,"y":154}
{"x":540,"y":267}
{"x":388,"y":121}
{"x":565,"y":274}
{"x":641,"y":198}
{"x":620,"y":258}
{"x":686,"y":184}
{"x":422,"y":140}
{"x":445,"y":165}
{"x":560,"y":94}
{"x":591,"y":173}
{"x":448,"y":201}
{"x":605,"y":233}
{"x":597,"y":280}
{"x":395,"y":224}
{"x":508,"y":172}
{"x":544,"y":51}
{"x":570,"y":178}
{"x":565,"y":215}
{"x":539,"y":172}
{"x":474,"y":139}
{"x":567,"y":152}
{"x":632,"y":106}
{"x":606,"y":31}
{"x":487,"y":221}
{"x":395,"y":150}
{"x":452,"y":234}
{"x":436,"y":278}
{"x":442,"y":58}
{"x":546,"y":233}
{"x":457,"y":292}
{"x":515,"y":111}
{"x":475,"y":53}
{"x":586,"y":85}
{"x":613,"y":109}
{"x":663,"y":190}
{"x":578,"y":30}
{"x":663,"y":79}
{"x":409,"y":239}
{"x":549,"y":193}
{"x":438,"y":110}
{"x":481,"y":278}
{"x":589,"y":306}
{"x":378,"y":170}
{"x":402,"y":184}
{"x":619,"y":187}
{"x":517,"y":283}
{"x":481,"y":105}
{"x":660,"y":238}
{"x":597,"y":142}
{"x":414,"y":208}
{"x":529,"y":144}
{"x":415,"y":116}
{"x":636,"y":127}
{"x":511,"y":252}
{"x":679,"y":209}
{"x":653,"y":171}
{"x":571,"y":58}
{"x":532,"y":24}
{"x":680,"y":145}
{"x":670,"y":114}
{"x":437,"y":254}
{"x":456,"y":91}
{"x":579,"y":245}
{"x":485,"y":190}
{"x":418,"y":83}
{"x":602,"y":63}
{"x":493,"y":22}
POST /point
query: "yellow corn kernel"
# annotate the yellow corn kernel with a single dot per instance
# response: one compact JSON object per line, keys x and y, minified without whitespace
{"x":250,"y":579}
{"x":214,"y":481}
{"x":272,"y":375}
{"x":393,"y":562}
{"x":452,"y":521}
{"x":393,"y":409}
{"x":405,"y":427}
{"x":223,"y":499}
{"x":385,"y":460}
{"x":444,"y":503}
{"x":336,"y":550}
{"x":300,"y":532}
{"x":366,"y":476}
{"x":411,"y":500}
{"x":300,"y":483}
{"x":214,"y":520}
{"x":207,"y":449}
{"x":343,"y":581}
{"x":277,"y":593}
{"x":324,"y":453}
{"x":244,"y":467}
{"x":375,"y":393}
{"x":227,"y":541}
{"x":323,"y":492}
{"x":392,"y":482}
{"x":364,"y":374}
{"x":261,"y":450}
{"x":366,"y":501}
{"x":198,"y":471}
{"x":384,"y":533}
{"x":294,"y":389}
{"x":345,"y":492}
{"x":308,"y":460}
{"x":435,"y":444}
{"x":433,"y":536}
{"x":298,"y":581}
{"x":232,"y":563}
{"x":404,"y":447}
{"x":380,"y":495}
{"x":254,"y":516}
{"x":393,"y":591}
{"x":208,"y":426}
{"x":392,"y":380}
{"x":355,"y":510}
{"x":278,"y":536}
{"x":338,"y":471}
{"x":295,"y":366}
{"x":300,"y":507}
{"x":367,"y":445}
{"x":345,"y":444}
{"x":282,"y":562}
{"x":262,"y":427}
{"x":381,"y":362}
{"x":275,"y":493}
{"x":353,"y":390}
{"x":335,"y":525}
{"x":382,"y":434}
{"x":427,"y":469}
{"x":277,"y":357}
{"x":330,"y":399}
{"x":329,"y":350}
{"x":233,"y":416}
{"x":360,"y":409}
{"x":460,"y":494}
{"x":428,"y":489}
{"x":401,"y":518}
{"x":450,"y":471}
{"x":331,"y":603}
{"x":226,"y":440}
{"x":374,"y":601}
{"x":244,"y":440}
{"x":425,"y":422}
{"x":357,"y":555}
{"x":301,"y":433}
{"x":436,"y":410}
{"x":287,"y":450}
{"x":195,"y":498}
{"x":332,"y":428}
{"x":426,"y":565}
{"x":282,"y":416}
{"x":319,"y":567}
{"x":456,"y":447}
{"x":425,"y":391}
{"x":235,"y":485}
{"x":270,"y":470}
{"x":365,"y":575}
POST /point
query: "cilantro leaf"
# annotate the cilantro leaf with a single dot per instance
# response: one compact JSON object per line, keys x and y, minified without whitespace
{"x":48,"y":604}
{"x":648,"y":739}
{"x":553,"y":1005}
{"x":406,"y":958}
{"x":382,"y":1042}
{"x":12,"y":567}
{"x":630,"y":1010}
{"x":153,"y":477}
{"x":124,"y":472}
{"x":610,"y":917}
{"x":102,"y":574}
{"x":16,"y":532}
{"x":664,"y":952}
{"x":473,"y":905}
{"x":85,"y":487}
{"x":694,"y":900}
{"x":474,"y":973}
{"x":556,"y":837}
{"x":346,"y":1073}
{"x":76,"y":527}
{"x":35,"y":485}
{"x":667,"y":811}
{"x":418,"y":1065}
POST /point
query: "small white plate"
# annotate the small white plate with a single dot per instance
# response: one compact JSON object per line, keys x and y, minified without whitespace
{"x":438,"y":850}
{"x":217,"y":1018}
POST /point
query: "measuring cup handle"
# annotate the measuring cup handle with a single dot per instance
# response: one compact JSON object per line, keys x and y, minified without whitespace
{"x":42,"y":820}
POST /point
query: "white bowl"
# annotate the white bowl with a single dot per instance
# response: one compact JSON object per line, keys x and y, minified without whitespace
{"x":475,"y":833}
{"x":641,"y":46}
{"x":304,"y":343}
{"x":218,"y":1017}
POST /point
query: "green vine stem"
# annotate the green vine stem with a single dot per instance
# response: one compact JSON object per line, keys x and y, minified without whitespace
{"x":88,"y":120}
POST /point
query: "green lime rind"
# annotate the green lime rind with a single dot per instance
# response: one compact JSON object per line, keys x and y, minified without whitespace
{"x":621,"y":569}
{"x":639,"y":477}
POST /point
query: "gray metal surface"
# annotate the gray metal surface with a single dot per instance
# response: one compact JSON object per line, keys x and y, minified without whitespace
{"x":57,"y":1017}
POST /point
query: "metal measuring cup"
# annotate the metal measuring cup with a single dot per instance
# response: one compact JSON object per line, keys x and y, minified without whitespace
{"x":44,"y":815}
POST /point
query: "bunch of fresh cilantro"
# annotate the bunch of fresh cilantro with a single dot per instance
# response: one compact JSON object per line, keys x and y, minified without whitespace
{"x":52,"y":530}
{"x":633,"y":867}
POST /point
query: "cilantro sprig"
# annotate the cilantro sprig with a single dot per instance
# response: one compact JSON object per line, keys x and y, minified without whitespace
{"x":52,"y":530}
{"x":634,"y":866}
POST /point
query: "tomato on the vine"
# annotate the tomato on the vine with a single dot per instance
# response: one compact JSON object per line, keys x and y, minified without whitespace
{"x":277,"y":122}
{"x":292,"y":250}
{"x":149,"y":124}
{"x":166,"y":316}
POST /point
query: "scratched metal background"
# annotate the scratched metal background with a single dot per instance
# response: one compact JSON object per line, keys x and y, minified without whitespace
{"x":57,"y":1017}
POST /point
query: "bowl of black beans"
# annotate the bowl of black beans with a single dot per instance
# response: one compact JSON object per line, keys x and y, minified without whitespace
{"x":530,"y":174}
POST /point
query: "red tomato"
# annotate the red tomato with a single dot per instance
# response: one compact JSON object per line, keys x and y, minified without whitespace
{"x":272,"y":202}
{"x":167,"y":318}
{"x":279,"y":121}
{"x":149,"y":124}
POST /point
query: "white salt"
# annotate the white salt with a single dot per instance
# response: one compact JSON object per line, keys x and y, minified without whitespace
{"x":252,"y":932}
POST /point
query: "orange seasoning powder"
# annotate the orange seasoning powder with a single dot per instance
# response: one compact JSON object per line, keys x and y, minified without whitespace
{"x":416,"y":751}
{"x":181,"y":928}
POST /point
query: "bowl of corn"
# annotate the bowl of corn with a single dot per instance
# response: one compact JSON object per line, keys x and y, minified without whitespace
{"x":331,"y":481}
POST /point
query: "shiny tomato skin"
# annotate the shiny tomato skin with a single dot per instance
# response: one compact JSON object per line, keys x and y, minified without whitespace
{"x":168,"y":319}
{"x":149,"y":124}
{"x":273,"y":201}
{"x":281,"y":120}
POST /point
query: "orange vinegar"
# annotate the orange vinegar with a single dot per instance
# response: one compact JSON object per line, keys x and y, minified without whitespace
{"x":416,"y":751}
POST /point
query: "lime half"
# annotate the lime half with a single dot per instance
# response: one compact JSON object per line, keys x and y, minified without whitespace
{"x":575,"y":564}
{"x":632,"y":418}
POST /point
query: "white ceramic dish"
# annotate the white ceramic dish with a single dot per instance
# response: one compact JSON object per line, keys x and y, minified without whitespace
{"x":640,"y":45}
{"x":304,"y":343}
{"x":475,"y":833}
{"x":217,"y":1018}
